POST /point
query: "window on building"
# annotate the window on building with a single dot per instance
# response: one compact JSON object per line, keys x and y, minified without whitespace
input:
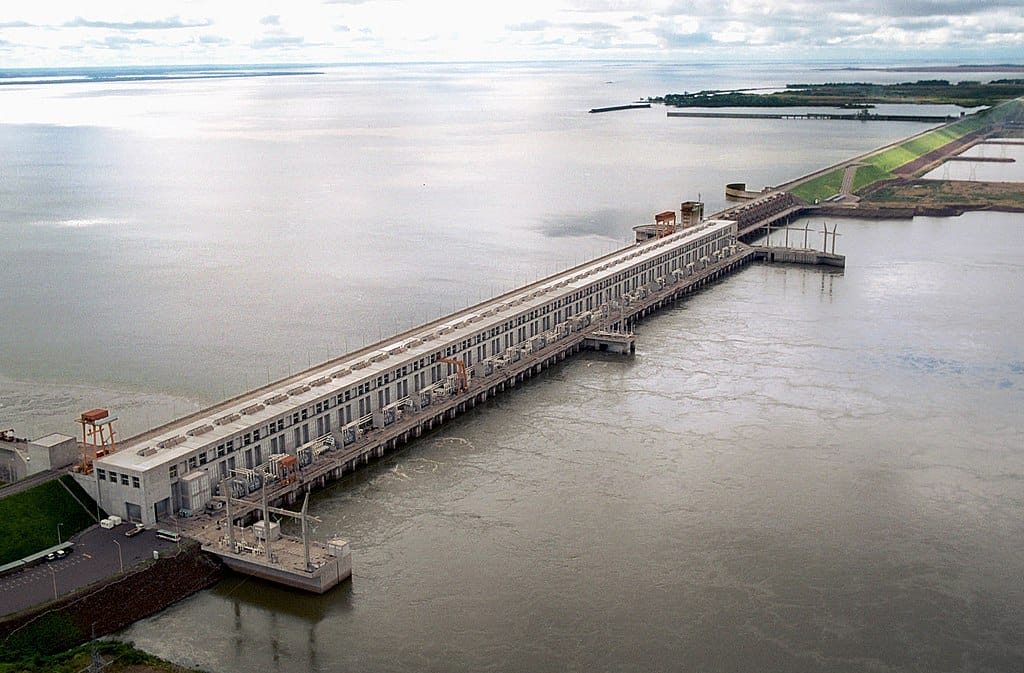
{"x":124,"y":479}
{"x":135,"y":482}
{"x":172,"y":472}
{"x":101,"y":475}
{"x":112,"y":476}
{"x":192,"y":463}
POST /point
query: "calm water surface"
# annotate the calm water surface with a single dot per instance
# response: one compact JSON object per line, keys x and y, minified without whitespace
{"x":799,"y":470}
{"x":164,"y":245}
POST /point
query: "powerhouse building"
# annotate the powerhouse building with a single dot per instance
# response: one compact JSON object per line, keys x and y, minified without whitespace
{"x":176,"y":468}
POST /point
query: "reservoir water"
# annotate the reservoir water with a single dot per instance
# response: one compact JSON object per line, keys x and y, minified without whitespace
{"x":800,"y":470}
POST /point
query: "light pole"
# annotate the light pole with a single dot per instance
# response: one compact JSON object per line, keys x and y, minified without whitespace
{"x":120,"y":558}
{"x":59,"y":524}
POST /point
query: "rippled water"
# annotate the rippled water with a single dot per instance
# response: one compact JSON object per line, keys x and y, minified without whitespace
{"x":800,"y":470}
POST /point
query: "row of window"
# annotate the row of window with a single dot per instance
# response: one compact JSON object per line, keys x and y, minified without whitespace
{"x":519,"y":330}
{"x":112,"y":477}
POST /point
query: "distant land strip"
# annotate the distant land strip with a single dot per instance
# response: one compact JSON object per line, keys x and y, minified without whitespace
{"x":995,"y":67}
{"x":92,"y":79}
{"x":856,"y":95}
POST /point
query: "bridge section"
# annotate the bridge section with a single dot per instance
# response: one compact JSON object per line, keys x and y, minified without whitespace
{"x":756,"y":215}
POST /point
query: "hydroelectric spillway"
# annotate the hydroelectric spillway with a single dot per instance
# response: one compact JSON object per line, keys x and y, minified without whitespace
{"x":210,"y":474}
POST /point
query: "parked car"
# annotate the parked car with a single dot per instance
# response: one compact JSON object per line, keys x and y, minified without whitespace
{"x":135,"y":530}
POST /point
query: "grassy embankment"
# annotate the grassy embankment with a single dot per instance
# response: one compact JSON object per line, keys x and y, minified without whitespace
{"x":881,"y":165}
{"x":29,"y":520}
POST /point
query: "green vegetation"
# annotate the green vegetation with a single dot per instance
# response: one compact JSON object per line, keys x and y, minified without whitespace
{"x":49,"y":635}
{"x":29,"y":520}
{"x":855,"y":95}
{"x":880,"y":166}
{"x":821,"y":187}
{"x":868,"y":175}
{"x":894,"y":157}
{"x":118,"y":657}
{"x":939,"y":193}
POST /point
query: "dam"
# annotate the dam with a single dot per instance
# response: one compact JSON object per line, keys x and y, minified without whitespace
{"x":212,"y":473}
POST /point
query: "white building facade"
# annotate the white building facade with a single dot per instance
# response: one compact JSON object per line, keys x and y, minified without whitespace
{"x":178,"y":466}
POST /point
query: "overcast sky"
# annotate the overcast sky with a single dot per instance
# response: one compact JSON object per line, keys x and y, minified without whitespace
{"x":104,"y":32}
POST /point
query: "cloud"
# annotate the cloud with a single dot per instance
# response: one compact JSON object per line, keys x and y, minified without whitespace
{"x":121,"y":42}
{"x":160,"y":24}
{"x":529,"y":26}
{"x":931,"y":8}
{"x":674,"y":40}
{"x":277,"y":41}
{"x":411,"y":30}
{"x":212,"y":39}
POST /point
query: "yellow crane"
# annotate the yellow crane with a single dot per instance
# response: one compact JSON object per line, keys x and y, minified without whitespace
{"x":460,"y":372}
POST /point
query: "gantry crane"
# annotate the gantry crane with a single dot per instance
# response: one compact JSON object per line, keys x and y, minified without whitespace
{"x":97,"y":437}
{"x":460,"y":372}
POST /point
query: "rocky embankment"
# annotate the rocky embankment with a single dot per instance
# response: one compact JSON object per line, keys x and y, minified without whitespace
{"x":111,"y":605}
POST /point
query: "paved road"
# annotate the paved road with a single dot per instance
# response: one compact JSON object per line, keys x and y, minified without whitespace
{"x":28,"y":482}
{"x":95,"y":557}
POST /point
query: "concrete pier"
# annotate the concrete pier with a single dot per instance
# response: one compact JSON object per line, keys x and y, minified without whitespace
{"x":621,"y":343}
{"x":859,"y":116}
{"x":784,"y":255}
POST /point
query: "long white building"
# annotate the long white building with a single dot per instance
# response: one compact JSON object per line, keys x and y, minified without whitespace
{"x":177,"y":466}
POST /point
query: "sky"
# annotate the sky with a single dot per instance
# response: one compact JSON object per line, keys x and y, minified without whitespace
{"x":47,"y":33}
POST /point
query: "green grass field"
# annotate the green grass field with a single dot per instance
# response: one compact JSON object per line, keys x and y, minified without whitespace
{"x":868,"y":175}
{"x":28,"y":520}
{"x":821,"y":187}
{"x":118,"y":657}
{"x":881,"y":165}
